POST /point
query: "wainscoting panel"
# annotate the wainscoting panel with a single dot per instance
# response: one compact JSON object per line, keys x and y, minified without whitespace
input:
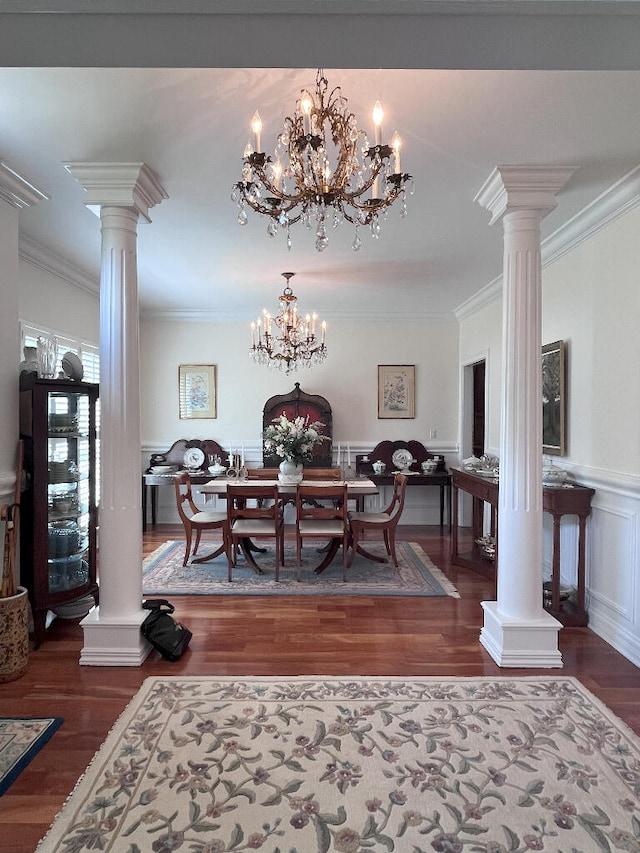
{"x":613,"y":568}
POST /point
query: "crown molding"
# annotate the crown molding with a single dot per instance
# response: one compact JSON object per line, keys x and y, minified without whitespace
{"x":45,"y":259}
{"x":620,"y":198}
{"x":212,"y":315}
{"x":17,"y":191}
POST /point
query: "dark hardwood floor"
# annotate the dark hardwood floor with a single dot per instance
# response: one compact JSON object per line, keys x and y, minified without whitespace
{"x":239,"y":636}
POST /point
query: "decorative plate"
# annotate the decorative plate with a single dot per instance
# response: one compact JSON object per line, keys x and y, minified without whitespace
{"x":72,"y":366}
{"x":402,"y":458}
{"x":193,"y":458}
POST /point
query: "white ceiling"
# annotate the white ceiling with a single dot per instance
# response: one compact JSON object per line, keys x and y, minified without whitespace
{"x":190,"y":125}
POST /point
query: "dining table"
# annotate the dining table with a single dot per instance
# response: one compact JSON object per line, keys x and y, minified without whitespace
{"x":357,"y":490}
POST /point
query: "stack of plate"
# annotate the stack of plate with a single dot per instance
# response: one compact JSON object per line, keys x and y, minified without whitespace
{"x":63,"y":472}
{"x":161,"y":469}
{"x":65,"y":538}
{"x":63,"y":422}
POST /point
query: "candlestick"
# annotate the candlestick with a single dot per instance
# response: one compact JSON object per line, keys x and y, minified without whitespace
{"x":348,"y":454}
{"x":338,"y":457}
{"x":242,"y":453}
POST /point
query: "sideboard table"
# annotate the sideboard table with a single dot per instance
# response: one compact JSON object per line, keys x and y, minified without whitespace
{"x":557,"y":501}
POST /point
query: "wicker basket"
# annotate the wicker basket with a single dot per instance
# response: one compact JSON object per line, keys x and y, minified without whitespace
{"x":14,"y":635}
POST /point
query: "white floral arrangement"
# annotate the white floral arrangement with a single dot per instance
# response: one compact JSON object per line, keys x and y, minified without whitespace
{"x":293,"y":440}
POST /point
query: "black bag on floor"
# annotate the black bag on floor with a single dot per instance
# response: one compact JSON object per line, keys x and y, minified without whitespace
{"x":166,"y":635}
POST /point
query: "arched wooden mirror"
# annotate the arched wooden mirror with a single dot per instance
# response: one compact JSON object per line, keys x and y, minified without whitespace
{"x":298,"y":403}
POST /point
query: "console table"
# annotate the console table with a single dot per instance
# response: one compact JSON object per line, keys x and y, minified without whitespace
{"x":557,"y":501}
{"x":416,"y":477}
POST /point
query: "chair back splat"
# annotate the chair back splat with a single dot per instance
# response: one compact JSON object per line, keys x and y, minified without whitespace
{"x":195,"y":520}
{"x":321,"y":513}
{"x":384,"y":522}
{"x":322,"y":474}
{"x":254,"y":512}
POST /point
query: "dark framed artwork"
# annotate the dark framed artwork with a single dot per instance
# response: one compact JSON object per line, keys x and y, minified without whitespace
{"x":396,"y":391}
{"x":554,"y":398}
{"x":197,"y":390}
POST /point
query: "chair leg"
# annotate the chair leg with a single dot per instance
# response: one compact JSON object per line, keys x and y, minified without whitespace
{"x":387,"y":544}
{"x":392,"y":547}
{"x":298,"y":556}
{"x":197,"y":545}
{"x":187,"y":533}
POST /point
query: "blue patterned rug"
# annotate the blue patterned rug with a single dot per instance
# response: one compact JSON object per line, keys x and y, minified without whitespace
{"x":21,"y":738}
{"x":164,"y":574}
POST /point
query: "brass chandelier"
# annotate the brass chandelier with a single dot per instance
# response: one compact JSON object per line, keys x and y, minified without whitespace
{"x":287,"y":341}
{"x":323,"y":171}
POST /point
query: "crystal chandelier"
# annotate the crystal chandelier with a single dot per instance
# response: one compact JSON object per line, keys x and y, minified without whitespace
{"x":293,"y":342}
{"x":324,"y":170}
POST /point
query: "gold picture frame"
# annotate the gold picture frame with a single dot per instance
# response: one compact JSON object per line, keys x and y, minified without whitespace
{"x":197,"y":391}
{"x":554,"y":398}
{"x":396,"y":391}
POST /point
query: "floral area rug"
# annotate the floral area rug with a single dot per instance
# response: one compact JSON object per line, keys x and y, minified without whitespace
{"x":21,"y":738}
{"x":164,"y":574}
{"x":312,"y":765}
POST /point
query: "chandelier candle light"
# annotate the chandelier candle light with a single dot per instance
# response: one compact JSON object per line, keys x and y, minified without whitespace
{"x":293,"y":341}
{"x":323,"y":170}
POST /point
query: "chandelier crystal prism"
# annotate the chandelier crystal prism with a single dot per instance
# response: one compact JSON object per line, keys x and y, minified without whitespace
{"x":323,"y":171}
{"x":287,"y":341}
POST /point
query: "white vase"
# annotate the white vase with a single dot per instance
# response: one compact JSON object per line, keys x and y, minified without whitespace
{"x":290,"y":472}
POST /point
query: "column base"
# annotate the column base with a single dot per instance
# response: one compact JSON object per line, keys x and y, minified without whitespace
{"x":115,"y":641}
{"x":519,"y":643}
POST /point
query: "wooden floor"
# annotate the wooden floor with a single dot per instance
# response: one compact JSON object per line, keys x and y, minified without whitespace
{"x":406,"y":636}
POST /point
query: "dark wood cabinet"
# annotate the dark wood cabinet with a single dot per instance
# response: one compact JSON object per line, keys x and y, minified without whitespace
{"x":58,"y":424}
{"x":558,"y":502}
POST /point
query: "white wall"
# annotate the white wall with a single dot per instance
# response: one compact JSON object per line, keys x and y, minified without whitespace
{"x":348,"y":379}
{"x":591,"y":300}
{"x":50,"y":301}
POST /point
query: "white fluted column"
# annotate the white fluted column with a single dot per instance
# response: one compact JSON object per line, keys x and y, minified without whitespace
{"x":121,"y":193}
{"x":517,"y":631}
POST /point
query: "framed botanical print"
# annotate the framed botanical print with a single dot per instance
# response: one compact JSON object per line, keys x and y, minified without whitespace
{"x":197,"y":391}
{"x":554,"y":403}
{"x":396,"y":391}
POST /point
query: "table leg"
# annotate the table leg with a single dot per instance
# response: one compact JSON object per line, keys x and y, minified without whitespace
{"x":555,"y":565}
{"x":332,"y":550}
{"x":154,"y":504}
{"x":454,"y":532}
{"x":582,"y":521}
{"x":208,"y":557}
{"x":441,"y":505}
{"x":144,"y":505}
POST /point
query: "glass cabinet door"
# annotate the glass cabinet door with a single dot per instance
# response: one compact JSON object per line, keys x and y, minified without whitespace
{"x":68,"y":497}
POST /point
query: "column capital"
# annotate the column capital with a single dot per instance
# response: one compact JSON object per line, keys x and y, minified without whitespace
{"x":17,"y":191}
{"x":118,"y":185}
{"x":510,"y":188}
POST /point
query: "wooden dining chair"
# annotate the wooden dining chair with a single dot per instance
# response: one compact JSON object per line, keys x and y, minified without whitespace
{"x":321,"y":513}
{"x":322,"y":474}
{"x":195,"y":520}
{"x":254,"y":512}
{"x":384,"y":522}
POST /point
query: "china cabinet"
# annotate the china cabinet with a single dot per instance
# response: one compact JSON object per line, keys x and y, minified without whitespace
{"x":58,"y":423}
